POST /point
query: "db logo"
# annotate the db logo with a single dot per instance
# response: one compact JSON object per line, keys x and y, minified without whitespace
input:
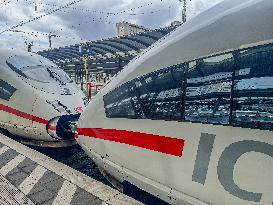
{"x":79,"y":109}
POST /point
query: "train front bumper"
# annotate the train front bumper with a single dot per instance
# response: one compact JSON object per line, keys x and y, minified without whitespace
{"x":63,"y":127}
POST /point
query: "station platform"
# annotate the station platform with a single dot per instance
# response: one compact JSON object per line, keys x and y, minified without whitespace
{"x":28,"y":177}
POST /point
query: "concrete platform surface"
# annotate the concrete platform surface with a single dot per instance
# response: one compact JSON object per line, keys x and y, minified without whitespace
{"x":28,"y":177}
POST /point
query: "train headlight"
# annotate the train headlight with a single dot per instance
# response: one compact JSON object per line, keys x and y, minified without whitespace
{"x":74,"y":129}
{"x":52,"y":127}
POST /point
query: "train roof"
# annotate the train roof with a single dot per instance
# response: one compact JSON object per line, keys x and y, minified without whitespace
{"x":6,"y":53}
{"x":229,"y":25}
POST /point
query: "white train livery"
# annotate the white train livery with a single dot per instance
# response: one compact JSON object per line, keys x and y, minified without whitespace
{"x":38,"y":101}
{"x":191,"y":119}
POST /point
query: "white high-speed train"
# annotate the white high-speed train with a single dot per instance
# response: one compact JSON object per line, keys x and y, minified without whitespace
{"x":38,"y":101}
{"x":191,"y":119}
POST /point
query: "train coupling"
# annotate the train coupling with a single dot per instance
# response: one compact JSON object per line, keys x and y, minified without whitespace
{"x":63,"y":127}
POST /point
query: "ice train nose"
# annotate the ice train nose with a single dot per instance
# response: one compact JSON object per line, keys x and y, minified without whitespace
{"x":63,"y":128}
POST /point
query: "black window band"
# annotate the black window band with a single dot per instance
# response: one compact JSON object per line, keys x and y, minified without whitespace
{"x":233,"y":88}
{"x":6,"y":90}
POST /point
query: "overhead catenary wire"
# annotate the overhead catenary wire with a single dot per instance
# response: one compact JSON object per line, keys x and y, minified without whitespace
{"x":41,"y":16}
{"x":101,"y":19}
{"x":36,"y":34}
{"x":28,"y":2}
{"x":94,"y":11}
{"x":5,"y":4}
{"x":106,"y":18}
{"x":108,"y":12}
{"x":112,"y":13}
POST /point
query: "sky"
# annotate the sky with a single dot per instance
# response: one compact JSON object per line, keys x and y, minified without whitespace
{"x":76,"y":21}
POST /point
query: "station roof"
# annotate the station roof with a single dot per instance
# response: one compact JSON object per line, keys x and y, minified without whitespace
{"x":112,"y":46}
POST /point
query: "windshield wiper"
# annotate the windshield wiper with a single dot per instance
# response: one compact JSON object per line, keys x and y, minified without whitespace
{"x":53,"y":75}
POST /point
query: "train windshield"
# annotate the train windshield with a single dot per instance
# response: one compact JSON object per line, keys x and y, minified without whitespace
{"x":38,"y":69}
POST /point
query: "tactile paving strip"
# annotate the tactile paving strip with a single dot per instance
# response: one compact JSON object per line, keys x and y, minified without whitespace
{"x":11,"y":195}
{"x":28,"y":177}
{"x":41,"y":187}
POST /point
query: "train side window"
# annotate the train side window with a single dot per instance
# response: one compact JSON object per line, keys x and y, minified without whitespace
{"x":154,"y":96}
{"x":158,"y":95}
{"x":253,"y":89}
{"x":118,"y":103}
{"x":209,"y":83}
{"x":6,"y":90}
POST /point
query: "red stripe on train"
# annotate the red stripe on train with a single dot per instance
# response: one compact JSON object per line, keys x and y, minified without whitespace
{"x":52,"y":127}
{"x":167,"y":145}
{"x":23,"y":114}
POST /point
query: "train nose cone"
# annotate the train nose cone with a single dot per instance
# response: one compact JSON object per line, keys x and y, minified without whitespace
{"x":52,"y":127}
{"x":63,"y":128}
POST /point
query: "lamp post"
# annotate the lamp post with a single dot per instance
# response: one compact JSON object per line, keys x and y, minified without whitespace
{"x":86,"y":59}
{"x":50,"y":39}
{"x":29,"y":46}
{"x":184,"y":10}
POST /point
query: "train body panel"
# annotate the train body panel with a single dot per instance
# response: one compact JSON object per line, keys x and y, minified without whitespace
{"x":190,"y":120}
{"x":33,"y":92}
{"x":171,"y":177}
{"x":65,"y":104}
